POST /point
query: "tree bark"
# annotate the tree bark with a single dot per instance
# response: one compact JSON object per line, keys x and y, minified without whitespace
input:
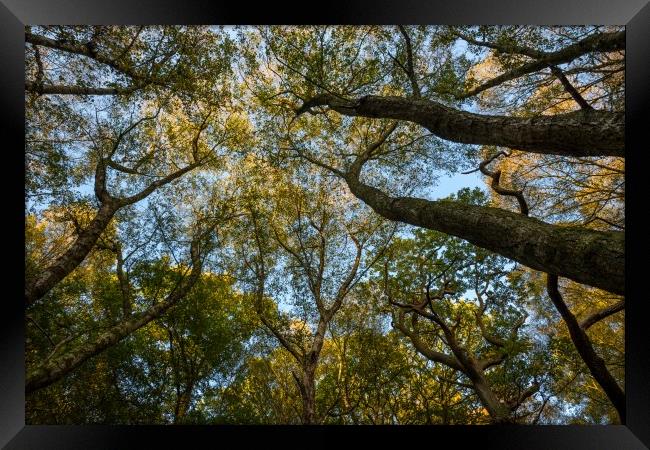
{"x":74,"y":90}
{"x":86,"y":50}
{"x":499,"y":412}
{"x":473,"y":369}
{"x":595,"y":258}
{"x":182,"y":403}
{"x":582,"y":343}
{"x":69,"y":260}
{"x":602,"y":314}
{"x":578,"y":133}
{"x":88,"y":237}
{"x":308,"y":384}
{"x":308,"y":395}
{"x":57,"y":367}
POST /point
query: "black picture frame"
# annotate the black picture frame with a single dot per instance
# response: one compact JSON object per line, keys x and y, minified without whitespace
{"x":15,"y":14}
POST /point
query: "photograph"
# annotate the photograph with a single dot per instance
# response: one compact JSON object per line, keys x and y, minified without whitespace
{"x":248,"y":228}
{"x":324,"y":224}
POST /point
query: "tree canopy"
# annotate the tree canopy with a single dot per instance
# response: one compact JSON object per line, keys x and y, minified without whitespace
{"x":231,"y":225}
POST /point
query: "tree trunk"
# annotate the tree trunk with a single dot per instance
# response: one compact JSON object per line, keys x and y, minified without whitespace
{"x":72,"y":257}
{"x":308,"y":384}
{"x":45,"y":89}
{"x":499,"y":412}
{"x":595,"y":258}
{"x":594,"y":363}
{"x":56,"y":368}
{"x":308,"y":395}
{"x":183,"y":404}
{"x":579,"y":133}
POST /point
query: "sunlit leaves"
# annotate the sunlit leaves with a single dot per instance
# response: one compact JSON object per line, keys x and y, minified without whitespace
{"x":268,"y":194}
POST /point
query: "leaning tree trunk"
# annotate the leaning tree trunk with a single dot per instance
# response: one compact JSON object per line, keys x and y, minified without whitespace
{"x":583,"y":345}
{"x":57,"y":367}
{"x":498,"y":411}
{"x":595,"y":258}
{"x":578,"y":133}
{"x":72,"y":257}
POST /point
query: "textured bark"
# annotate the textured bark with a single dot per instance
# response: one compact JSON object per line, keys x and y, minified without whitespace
{"x":88,"y":237}
{"x":57,"y":367}
{"x":432,"y":355}
{"x":501,"y":48}
{"x":69,"y":260}
{"x":308,"y":395}
{"x":498,"y":411}
{"x":579,"y":99}
{"x":595,"y":258}
{"x":582,"y":343}
{"x":577,"y":133}
{"x":74,"y":90}
{"x":473,"y":369}
{"x":308,"y":385}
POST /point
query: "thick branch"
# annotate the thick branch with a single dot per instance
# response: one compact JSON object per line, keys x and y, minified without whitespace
{"x":75,"y":90}
{"x":280,"y":337}
{"x":595,"y":363}
{"x":494,"y":340}
{"x":56,"y":368}
{"x":89,"y":51}
{"x":529,"y":392}
{"x":596,"y":258}
{"x":87,"y":238}
{"x":577,"y":133}
{"x":72,"y":257}
{"x":492,"y":361}
{"x":502,"y":48}
{"x":461,"y":360}
{"x":602,"y":314}
{"x":410,"y":71}
{"x":559,"y":74}
{"x":158,"y":183}
{"x":425,"y":351}
{"x":604,"y":42}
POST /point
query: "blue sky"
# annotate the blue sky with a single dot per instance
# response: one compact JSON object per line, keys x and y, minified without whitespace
{"x":451,"y":184}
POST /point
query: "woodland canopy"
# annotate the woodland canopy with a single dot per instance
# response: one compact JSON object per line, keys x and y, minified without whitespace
{"x":324,"y":224}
